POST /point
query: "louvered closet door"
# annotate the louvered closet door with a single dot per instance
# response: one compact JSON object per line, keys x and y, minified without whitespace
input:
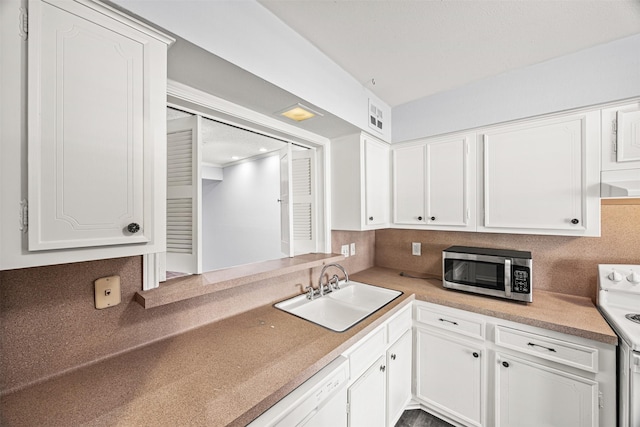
{"x":303,"y":180}
{"x":184,"y":195}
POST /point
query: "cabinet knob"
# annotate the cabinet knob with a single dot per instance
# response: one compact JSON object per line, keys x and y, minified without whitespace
{"x":575,"y":221}
{"x":433,"y":218}
{"x":370,"y":218}
{"x":505,"y":364}
{"x":419,"y":218}
{"x":133,"y":228}
{"x":475,"y":354}
{"x":393,"y":356}
{"x":383,"y":368}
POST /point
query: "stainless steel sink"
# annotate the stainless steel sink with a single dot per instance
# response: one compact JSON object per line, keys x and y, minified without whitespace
{"x":342,"y":308}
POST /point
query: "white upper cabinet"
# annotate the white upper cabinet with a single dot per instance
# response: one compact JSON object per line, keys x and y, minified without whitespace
{"x":359,"y":183}
{"x":91,"y":143}
{"x":96,"y":142}
{"x":409,"y":180}
{"x":434,"y":183}
{"x":621,"y":151}
{"x":541,"y":177}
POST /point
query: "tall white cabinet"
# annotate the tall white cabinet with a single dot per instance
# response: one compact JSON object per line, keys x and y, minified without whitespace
{"x":94,"y":169}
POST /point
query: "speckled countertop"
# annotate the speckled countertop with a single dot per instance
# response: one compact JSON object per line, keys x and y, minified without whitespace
{"x":229,"y":372}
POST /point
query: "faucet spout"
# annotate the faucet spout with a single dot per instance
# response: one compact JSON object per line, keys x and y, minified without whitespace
{"x":328,"y":286}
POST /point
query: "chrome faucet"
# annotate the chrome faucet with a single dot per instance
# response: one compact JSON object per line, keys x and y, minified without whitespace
{"x":333,"y":282}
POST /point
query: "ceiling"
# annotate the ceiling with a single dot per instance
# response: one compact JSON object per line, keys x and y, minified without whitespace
{"x":224,"y":145}
{"x":404,"y":50}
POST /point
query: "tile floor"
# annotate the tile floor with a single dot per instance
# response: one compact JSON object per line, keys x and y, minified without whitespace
{"x":418,"y":418}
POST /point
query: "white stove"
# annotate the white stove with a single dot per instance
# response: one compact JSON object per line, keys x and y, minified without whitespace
{"x":619,"y":303}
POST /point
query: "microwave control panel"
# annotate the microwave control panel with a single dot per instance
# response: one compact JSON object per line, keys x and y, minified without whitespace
{"x":521,"y":280}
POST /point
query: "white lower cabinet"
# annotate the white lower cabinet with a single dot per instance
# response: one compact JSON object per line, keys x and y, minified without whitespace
{"x":399,"y":363}
{"x":449,"y":376}
{"x":379,"y":396}
{"x":474,"y":370}
{"x":529,"y":394}
{"x":367,"y":397}
{"x":380,"y":367}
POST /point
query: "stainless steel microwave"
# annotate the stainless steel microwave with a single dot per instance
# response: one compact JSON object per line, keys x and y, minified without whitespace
{"x":497,"y":272}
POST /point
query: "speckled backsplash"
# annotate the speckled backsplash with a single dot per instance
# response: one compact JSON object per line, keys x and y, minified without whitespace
{"x":48,"y":323}
{"x":560,"y":264}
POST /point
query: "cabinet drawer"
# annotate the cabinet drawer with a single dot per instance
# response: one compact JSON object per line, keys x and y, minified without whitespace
{"x":366,"y":352}
{"x":452,"y":322}
{"x":560,"y":351}
{"x":399,"y":325}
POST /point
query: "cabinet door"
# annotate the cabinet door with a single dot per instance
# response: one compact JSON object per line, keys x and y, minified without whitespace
{"x":89,"y":181}
{"x":628,"y":136}
{"x":367,"y":397}
{"x":376,"y":169}
{"x":621,"y":137}
{"x":448,"y":182}
{"x":543,"y":177}
{"x":409,"y":185}
{"x":533,"y":395}
{"x":398,"y":377}
{"x":449,"y":376}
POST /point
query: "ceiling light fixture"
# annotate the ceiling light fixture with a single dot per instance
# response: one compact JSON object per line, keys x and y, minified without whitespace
{"x":235,"y":158}
{"x":263,"y":150}
{"x":299,"y":113}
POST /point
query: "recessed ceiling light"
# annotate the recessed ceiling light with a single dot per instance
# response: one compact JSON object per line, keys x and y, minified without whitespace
{"x":263,"y":150}
{"x":235,"y":158}
{"x":299,"y":113}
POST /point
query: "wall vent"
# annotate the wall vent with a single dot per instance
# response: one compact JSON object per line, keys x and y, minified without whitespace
{"x":375,"y":117}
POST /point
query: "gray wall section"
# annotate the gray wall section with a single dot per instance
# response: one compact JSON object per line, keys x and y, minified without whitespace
{"x":604,"y":73}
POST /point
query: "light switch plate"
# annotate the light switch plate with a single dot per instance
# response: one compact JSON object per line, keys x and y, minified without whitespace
{"x":353,"y":249}
{"x":107,"y":292}
{"x":416,"y":248}
{"x":344,"y":250}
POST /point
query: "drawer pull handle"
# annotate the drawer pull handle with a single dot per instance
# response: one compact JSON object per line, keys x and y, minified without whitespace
{"x":383,"y":368}
{"x":448,"y":321}
{"x":393,"y":356}
{"x":541,"y":346}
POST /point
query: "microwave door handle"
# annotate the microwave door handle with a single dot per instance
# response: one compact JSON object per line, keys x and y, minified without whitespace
{"x":507,"y":277}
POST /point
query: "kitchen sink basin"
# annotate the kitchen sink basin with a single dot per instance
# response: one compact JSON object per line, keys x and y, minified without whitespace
{"x":341,"y":309}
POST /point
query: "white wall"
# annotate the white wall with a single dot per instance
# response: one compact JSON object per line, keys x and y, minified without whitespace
{"x":251,"y":37}
{"x":600,"y":74}
{"x":241,"y":215}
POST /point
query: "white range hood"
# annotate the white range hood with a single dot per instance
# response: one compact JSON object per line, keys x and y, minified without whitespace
{"x":621,"y":183}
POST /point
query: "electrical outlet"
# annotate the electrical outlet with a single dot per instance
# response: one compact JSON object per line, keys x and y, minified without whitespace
{"x":353,"y":249}
{"x":416,"y":248}
{"x":107,"y":292}
{"x":345,"y":250}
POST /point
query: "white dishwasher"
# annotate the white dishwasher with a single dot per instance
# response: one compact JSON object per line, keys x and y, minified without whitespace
{"x":320,"y":401}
